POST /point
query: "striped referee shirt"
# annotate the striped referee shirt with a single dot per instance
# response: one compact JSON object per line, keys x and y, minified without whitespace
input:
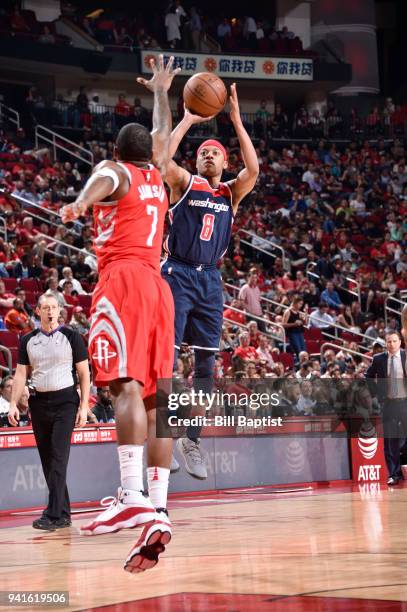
{"x":52,"y":357}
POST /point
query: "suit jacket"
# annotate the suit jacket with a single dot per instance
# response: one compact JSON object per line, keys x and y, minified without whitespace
{"x":377,"y":373}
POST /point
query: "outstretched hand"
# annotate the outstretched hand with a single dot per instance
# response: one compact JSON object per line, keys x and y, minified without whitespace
{"x":234,"y":105}
{"x":162,"y":76}
{"x":73,"y":211}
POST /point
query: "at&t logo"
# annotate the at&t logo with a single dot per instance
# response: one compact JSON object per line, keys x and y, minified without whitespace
{"x":367,"y":441}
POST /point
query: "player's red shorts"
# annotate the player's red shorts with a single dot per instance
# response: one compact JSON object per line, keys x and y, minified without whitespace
{"x":132,"y":330}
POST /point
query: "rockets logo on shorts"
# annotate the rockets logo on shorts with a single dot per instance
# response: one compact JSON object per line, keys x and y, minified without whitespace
{"x":104,"y":354}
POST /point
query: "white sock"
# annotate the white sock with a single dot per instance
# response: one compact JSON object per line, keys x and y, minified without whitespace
{"x":131,"y":466}
{"x":157,"y":478}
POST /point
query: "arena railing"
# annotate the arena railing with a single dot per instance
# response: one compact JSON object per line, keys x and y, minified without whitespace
{"x":284,"y":258}
{"x":280,"y":338}
{"x":312,"y":265}
{"x":51,"y":213}
{"x":9,"y":114}
{"x":59,"y":143}
{"x":392,"y":309}
{"x":343,"y":132}
{"x":71,"y":247}
{"x":344,"y":349}
{"x":334,"y":325}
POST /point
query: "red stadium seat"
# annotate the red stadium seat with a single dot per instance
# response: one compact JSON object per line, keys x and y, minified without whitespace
{"x":313,"y":333}
{"x":287,"y":359}
{"x":10,"y":283}
{"x":31,"y":297}
{"x":30,"y":284}
{"x":85,"y":301}
{"x":349,"y":337}
{"x":8,"y":338}
{"x":313,"y":347}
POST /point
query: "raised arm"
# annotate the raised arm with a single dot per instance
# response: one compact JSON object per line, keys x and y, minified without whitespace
{"x":159,"y":84}
{"x":177,"y":177}
{"x":246,"y":179}
{"x":108,"y":178}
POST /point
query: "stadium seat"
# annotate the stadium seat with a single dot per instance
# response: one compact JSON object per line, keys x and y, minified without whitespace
{"x":10,"y":283}
{"x":313,"y":347}
{"x":313,"y":333}
{"x":8,"y":338}
{"x":349,"y":337}
{"x":30,"y":284}
{"x":287,"y":359}
{"x":85,"y":301}
{"x":31,"y":297}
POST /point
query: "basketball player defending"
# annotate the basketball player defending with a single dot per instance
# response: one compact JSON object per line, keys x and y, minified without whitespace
{"x":201,"y":217}
{"x":131,"y":337}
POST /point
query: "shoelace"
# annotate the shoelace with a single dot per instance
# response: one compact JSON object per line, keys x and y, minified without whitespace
{"x":193,"y":451}
{"x":108,"y":502}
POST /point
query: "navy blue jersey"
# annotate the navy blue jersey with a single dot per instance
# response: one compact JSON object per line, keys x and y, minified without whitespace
{"x":200,"y":223}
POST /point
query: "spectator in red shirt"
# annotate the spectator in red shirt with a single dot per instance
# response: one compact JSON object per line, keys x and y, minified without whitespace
{"x":67,"y":288}
{"x":232,"y":315}
{"x":17,"y":320}
{"x":254,"y":334}
{"x":26,"y":235}
{"x":244,"y":351}
{"x":122,"y":111}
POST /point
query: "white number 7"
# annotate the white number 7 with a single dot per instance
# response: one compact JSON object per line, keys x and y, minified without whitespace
{"x":152,"y":210}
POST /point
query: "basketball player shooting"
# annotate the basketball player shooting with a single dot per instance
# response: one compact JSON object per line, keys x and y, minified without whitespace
{"x":131,"y":337}
{"x":201,"y":216}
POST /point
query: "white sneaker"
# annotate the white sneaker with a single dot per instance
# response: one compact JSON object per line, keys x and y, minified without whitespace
{"x":174,"y":465}
{"x":152,"y":542}
{"x":128,"y":510}
{"x":194,"y":460}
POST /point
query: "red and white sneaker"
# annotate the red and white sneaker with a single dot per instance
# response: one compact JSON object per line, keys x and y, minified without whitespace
{"x":128,"y":510}
{"x":152,"y":542}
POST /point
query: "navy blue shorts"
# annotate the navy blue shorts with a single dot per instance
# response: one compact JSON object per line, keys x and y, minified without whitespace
{"x":198,"y":304}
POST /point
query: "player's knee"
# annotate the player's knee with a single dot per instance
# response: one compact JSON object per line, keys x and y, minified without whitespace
{"x":125,"y":389}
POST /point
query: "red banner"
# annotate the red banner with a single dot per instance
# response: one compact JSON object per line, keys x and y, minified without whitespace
{"x":23,"y":437}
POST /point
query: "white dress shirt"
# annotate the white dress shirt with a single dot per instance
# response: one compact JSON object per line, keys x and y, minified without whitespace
{"x":401,"y":381}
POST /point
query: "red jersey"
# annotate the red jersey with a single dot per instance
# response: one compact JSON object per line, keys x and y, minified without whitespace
{"x":131,"y":229}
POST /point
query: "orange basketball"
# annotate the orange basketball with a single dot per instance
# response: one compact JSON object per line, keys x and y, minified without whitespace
{"x":205,"y":94}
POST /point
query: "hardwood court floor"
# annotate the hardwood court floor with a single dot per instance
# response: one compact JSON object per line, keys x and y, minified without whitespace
{"x":326,"y":549}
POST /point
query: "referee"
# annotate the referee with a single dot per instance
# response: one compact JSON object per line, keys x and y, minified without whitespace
{"x":52,"y":356}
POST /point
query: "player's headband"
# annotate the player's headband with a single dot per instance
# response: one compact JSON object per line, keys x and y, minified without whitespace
{"x":213,"y":143}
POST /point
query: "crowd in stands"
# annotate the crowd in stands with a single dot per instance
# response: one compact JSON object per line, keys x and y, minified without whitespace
{"x":23,"y":25}
{"x":89,"y":114}
{"x":175,"y":28}
{"x":329,"y":222}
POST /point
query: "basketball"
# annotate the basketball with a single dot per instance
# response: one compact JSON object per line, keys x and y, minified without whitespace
{"x":205,"y":94}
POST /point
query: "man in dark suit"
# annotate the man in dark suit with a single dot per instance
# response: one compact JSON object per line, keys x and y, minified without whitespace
{"x":389,"y":383}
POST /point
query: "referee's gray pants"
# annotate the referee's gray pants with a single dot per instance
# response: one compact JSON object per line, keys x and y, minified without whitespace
{"x":53,"y":416}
